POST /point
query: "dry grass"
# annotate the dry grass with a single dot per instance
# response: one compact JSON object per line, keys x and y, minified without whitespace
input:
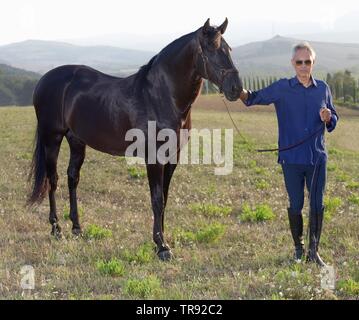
{"x":248,"y":261}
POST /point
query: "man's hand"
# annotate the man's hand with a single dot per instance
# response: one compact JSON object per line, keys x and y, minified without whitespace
{"x":244,"y":95}
{"x":325,"y":114}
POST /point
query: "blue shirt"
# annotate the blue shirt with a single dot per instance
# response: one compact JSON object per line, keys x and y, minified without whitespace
{"x":297,"y":109}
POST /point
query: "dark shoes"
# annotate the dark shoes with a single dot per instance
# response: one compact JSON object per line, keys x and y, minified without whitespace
{"x":315,"y":229}
{"x":296,"y":227}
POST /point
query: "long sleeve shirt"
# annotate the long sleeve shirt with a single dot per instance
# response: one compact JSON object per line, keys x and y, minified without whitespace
{"x":297,"y":109}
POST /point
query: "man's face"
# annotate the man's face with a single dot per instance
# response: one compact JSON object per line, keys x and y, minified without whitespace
{"x":303,"y":63}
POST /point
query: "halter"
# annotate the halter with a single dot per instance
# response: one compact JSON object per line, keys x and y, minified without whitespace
{"x":224,"y":72}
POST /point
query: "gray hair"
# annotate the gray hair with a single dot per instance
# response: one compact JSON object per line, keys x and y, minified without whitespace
{"x":304,"y":45}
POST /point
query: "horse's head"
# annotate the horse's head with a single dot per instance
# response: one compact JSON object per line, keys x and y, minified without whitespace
{"x":215,"y":63}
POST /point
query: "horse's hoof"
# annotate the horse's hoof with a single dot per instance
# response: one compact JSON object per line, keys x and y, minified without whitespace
{"x":77,"y":232}
{"x":56,"y":232}
{"x":165,"y":255}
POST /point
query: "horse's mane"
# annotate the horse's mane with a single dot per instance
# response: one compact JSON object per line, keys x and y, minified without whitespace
{"x":169,"y":51}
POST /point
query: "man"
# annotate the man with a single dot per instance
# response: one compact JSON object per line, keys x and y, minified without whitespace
{"x":304,"y":108}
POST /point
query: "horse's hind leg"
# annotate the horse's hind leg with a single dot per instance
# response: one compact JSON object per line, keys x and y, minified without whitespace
{"x":52,"y":148}
{"x":77,"y":149}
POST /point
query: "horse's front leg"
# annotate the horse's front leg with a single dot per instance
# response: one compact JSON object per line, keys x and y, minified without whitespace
{"x":155,"y":174}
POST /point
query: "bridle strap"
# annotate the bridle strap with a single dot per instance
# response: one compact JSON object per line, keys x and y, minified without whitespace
{"x":224,"y":72}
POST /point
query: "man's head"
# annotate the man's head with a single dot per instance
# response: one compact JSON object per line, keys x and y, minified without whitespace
{"x":303,"y":58}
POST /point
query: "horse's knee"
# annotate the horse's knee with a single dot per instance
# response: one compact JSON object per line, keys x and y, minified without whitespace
{"x":73,"y":178}
{"x":53,"y":179}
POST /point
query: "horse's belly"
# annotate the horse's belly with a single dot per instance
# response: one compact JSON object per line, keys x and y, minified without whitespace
{"x":111,"y":147}
{"x":100,"y":129}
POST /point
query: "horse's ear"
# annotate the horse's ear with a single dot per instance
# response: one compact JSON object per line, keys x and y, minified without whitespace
{"x":223,"y":26}
{"x":206,"y":26}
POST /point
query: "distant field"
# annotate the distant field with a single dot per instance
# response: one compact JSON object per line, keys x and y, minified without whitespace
{"x":221,"y":250}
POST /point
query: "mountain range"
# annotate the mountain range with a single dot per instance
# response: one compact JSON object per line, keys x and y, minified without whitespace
{"x":272,"y":57}
{"x":40,"y":56}
{"x":268,"y":58}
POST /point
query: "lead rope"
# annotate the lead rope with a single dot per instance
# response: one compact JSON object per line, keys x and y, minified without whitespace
{"x":316,"y":172}
{"x":268,"y":150}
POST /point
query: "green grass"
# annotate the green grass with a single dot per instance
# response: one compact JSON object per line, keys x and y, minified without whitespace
{"x":113,"y":267}
{"x":354,"y":199}
{"x":207,"y":234}
{"x":262,"y":184}
{"x":349,"y":287}
{"x":335,"y":151}
{"x":216,"y":254}
{"x":342,"y":177}
{"x":96,"y":232}
{"x":353,"y":185}
{"x":261,"y":213}
{"x":136,"y":173}
{"x":66,"y":214}
{"x":144,"y":254}
{"x":331,"y":167}
{"x":143,"y":288}
{"x":210,"y":210}
{"x":331,"y":206}
{"x":211,"y":234}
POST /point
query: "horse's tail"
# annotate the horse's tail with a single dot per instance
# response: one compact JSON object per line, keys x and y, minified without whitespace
{"x":38,"y":172}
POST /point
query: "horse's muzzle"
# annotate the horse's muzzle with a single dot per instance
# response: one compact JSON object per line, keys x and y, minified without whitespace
{"x":232,"y":87}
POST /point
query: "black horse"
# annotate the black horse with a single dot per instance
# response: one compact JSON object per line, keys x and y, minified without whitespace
{"x":91,"y":108}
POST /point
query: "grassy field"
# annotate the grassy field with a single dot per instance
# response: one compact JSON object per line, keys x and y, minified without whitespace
{"x":229,"y":234}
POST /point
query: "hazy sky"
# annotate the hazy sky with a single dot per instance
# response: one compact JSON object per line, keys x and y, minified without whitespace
{"x":66,"y":19}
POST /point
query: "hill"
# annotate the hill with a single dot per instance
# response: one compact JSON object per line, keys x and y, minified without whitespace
{"x":262,"y":58}
{"x":41,"y":56}
{"x":272,"y":57}
{"x":16,"y":86}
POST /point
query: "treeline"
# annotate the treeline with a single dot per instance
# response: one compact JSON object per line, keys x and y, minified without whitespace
{"x":344,"y":87}
{"x":250,"y":83}
{"x":16,"y":86}
{"x":16,"y":92}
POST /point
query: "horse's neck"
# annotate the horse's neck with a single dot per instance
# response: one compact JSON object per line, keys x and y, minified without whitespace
{"x":186,"y":83}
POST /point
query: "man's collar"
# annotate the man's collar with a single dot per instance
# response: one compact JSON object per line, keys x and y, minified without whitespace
{"x":294,"y":81}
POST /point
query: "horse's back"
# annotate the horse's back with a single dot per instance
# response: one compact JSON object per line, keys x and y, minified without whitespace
{"x":48,"y":97}
{"x":50,"y":92}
